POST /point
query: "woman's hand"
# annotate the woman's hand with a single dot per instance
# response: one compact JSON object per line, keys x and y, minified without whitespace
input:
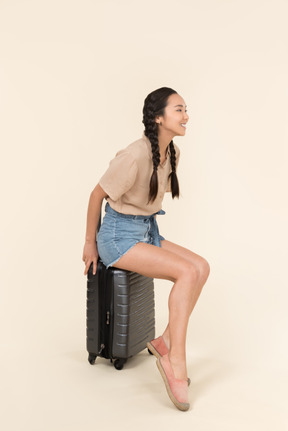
{"x":90,"y":254}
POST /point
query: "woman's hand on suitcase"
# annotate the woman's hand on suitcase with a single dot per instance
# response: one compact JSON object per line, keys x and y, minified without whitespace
{"x":90,"y":254}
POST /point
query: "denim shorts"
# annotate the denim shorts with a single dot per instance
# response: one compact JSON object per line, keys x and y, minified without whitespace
{"x":120,"y":232}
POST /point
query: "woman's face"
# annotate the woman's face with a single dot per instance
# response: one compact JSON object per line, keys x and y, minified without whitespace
{"x":175,"y":117}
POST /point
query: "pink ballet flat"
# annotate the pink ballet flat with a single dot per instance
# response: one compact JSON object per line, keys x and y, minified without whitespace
{"x":158,"y":348}
{"x":177,"y":389}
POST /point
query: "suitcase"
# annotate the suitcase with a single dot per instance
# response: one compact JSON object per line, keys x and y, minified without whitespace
{"x":120,"y":314}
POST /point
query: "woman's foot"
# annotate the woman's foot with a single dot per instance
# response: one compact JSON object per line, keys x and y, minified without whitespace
{"x":159,"y":348}
{"x":177,"y":389}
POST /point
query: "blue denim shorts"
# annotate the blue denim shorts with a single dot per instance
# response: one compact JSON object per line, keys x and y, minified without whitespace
{"x":120,"y":232}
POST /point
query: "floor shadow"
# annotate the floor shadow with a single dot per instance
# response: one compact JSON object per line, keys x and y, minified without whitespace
{"x":81,"y":356}
{"x":203,"y":372}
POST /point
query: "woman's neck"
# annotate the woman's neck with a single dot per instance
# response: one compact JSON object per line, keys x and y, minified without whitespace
{"x":164,"y":140}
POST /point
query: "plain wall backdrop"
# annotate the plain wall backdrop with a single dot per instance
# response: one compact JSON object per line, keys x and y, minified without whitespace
{"x":73,"y":79}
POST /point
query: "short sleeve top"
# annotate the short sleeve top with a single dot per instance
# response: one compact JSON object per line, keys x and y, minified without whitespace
{"x":127,"y":179}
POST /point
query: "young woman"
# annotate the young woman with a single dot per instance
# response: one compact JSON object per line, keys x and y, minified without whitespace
{"x":134,"y":185}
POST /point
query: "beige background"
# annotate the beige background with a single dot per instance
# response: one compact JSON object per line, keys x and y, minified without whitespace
{"x":73,"y":77}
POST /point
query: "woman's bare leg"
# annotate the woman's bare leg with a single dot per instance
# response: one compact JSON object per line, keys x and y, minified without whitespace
{"x":161,"y":263}
{"x":200,"y":263}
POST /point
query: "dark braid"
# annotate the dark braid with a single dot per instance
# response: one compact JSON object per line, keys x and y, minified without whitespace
{"x":151,"y":131}
{"x":154,"y":105}
{"x":173,"y":177}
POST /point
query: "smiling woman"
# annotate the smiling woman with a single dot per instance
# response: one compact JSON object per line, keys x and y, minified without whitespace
{"x":134,"y":186}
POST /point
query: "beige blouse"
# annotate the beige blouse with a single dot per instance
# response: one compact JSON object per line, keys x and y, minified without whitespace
{"x":127,"y":179}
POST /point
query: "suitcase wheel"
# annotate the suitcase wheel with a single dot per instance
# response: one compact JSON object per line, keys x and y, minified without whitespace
{"x":92,"y":358}
{"x":119,"y":363}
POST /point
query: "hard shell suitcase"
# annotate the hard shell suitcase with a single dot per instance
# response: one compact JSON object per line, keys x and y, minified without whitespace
{"x":120,"y":314}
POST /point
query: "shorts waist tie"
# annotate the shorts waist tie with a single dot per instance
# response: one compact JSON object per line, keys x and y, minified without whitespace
{"x":131,"y":216}
{"x":154,"y":226}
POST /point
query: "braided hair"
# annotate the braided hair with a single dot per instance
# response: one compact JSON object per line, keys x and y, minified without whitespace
{"x":154,"y":105}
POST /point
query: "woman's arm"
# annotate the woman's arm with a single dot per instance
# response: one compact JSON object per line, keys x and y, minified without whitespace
{"x":90,"y":252}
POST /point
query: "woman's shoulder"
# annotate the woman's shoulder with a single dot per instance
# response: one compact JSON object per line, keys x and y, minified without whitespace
{"x":137,"y":149}
{"x":140,"y":149}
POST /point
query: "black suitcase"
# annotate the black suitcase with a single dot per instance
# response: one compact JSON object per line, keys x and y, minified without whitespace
{"x":120,"y":316}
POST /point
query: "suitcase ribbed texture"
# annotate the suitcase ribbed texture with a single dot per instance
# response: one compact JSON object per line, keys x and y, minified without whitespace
{"x":134,"y":315}
{"x":120,"y":314}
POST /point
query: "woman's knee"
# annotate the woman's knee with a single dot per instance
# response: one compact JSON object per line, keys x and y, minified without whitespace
{"x":204,"y":269}
{"x":197,"y":274}
{"x":189,"y":272}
